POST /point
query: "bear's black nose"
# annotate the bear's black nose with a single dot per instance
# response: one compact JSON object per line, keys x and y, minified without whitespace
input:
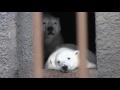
{"x":65,"y":67}
{"x":50,"y":29}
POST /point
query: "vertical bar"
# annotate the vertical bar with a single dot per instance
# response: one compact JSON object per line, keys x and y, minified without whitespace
{"x":37,"y":44}
{"x":82,"y":42}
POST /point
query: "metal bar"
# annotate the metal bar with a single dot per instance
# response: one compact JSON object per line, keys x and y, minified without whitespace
{"x":82,"y":42}
{"x":37,"y":44}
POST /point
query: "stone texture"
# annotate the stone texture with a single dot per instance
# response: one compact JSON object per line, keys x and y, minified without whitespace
{"x":24,"y":44}
{"x":108,"y":44}
{"x":8,"y":59}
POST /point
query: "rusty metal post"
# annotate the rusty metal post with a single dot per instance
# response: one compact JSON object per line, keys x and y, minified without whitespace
{"x":82,"y":42}
{"x":37,"y":44}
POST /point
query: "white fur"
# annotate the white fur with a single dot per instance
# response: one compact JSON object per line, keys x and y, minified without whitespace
{"x":62,"y":54}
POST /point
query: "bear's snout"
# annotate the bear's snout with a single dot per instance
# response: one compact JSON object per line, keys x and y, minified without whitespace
{"x":50,"y":29}
{"x":65,"y":67}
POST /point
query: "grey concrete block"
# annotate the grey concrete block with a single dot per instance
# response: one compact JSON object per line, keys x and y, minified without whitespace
{"x":24,"y":44}
{"x":8,"y":59}
{"x":108,"y":44}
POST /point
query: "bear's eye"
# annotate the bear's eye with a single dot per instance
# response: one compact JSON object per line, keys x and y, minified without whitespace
{"x":58,"y":61}
{"x":44,"y":23}
{"x":55,"y":22}
{"x":68,"y":58}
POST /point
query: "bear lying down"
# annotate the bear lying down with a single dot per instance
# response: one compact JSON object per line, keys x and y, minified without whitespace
{"x":65,"y":58}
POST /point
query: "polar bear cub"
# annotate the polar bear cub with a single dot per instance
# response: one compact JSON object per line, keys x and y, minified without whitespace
{"x":65,"y":59}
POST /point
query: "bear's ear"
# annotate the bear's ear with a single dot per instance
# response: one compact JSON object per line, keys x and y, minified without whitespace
{"x":77,"y":52}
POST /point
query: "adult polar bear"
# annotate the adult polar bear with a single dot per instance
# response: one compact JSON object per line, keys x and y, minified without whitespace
{"x":52,"y":35}
{"x":66,"y":58}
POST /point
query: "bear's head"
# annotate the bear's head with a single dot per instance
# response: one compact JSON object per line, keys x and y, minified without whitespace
{"x":67,"y":61}
{"x":51,"y":26}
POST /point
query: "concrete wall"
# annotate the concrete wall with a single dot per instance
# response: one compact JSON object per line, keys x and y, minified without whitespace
{"x":16,"y":44}
{"x":108,"y":44}
{"x":24,"y":44}
{"x":8,"y":56}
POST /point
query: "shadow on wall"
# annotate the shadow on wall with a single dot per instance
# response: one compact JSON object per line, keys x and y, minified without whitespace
{"x":68,"y":25}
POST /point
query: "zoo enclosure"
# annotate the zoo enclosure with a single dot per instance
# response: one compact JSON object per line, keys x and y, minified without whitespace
{"x":82,"y":26}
